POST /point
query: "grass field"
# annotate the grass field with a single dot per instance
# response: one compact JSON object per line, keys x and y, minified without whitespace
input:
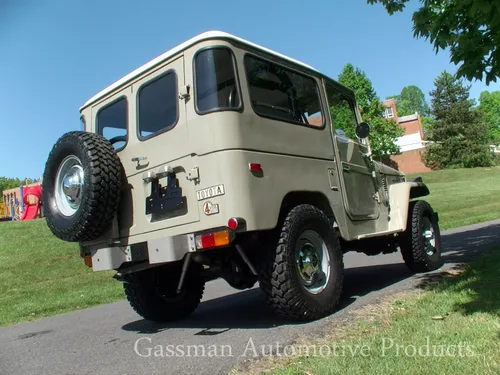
{"x":42,"y":276}
{"x":464,"y":196}
{"x":453,"y":327}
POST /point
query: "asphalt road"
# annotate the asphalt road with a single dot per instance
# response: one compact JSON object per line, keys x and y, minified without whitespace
{"x":101,"y":340}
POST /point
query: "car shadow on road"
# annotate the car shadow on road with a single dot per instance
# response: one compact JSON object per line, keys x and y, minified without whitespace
{"x":248,"y":310}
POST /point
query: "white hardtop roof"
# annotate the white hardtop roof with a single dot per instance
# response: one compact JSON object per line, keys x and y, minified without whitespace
{"x":166,"y":55}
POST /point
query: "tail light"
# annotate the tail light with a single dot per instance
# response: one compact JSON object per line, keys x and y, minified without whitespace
{"x":237,"y":224}
{"x":213,"y":239}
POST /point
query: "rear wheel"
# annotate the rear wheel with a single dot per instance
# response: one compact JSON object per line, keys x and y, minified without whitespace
{"x":421,"y":242}
{"x":152,"y":293}
{"x":302,"y":275}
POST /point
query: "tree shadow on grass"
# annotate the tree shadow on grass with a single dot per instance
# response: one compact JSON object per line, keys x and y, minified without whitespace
{"x":480,"y":281}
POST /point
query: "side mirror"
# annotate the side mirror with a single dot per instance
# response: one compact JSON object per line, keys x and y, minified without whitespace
{"x":363,"y":130}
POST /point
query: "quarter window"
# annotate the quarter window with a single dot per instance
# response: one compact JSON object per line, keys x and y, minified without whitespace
{"x":157,"y":105}
{"x":283,"y":94}
{"x":112,"y":123}
{"x":215,"y":81}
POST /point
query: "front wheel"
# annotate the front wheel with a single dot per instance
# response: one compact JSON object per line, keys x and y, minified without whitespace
{"x":152,"y":293}
{"x":421,"y":242}
{"x":302,"y":275}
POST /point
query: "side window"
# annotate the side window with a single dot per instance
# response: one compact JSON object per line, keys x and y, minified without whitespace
{"x":157,"y":105}
{"x":342,"y":112}
{"x":282,"y":93}
{"x":112,"y":123}
{"x":215,"y":81}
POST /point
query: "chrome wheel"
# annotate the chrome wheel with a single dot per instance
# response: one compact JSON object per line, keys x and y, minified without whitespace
{"x":313,"y":262}
{"x":429,"y":236}
{"x":69,"y":185}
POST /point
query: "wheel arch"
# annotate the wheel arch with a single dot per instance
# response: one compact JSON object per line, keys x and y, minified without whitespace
{"x":314,"y":198}
{"x":400,"y":196}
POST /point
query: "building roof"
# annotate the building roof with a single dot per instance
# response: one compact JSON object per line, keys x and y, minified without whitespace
{"x":408,"y":118}
{"x":165,"y":56}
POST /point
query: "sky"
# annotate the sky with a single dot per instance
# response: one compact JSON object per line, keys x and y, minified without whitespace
{"x":55,"y":54}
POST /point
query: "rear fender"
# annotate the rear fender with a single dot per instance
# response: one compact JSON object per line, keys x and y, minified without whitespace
{"x":399,"y":199}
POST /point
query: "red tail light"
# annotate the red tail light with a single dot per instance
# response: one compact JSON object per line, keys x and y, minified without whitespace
{"x":232,"y":224}
{"x":255,"y":167}
{"x":214,"y":239}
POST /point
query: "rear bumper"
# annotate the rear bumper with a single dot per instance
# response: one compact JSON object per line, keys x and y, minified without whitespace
{"x":162,"y":250}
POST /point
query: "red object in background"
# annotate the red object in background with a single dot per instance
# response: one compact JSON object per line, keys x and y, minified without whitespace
{"x":31,"y":209}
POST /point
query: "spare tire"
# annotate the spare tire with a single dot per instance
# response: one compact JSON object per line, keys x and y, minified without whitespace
{"x":81,"y":187}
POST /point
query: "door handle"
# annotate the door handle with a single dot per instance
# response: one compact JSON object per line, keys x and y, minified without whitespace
{"x":138,"y":160}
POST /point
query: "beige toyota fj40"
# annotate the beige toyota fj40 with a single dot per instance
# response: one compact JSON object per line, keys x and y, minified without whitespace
{"x":221,"y":158}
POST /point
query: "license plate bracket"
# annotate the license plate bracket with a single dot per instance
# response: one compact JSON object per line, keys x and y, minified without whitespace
{"x":165,"y":198}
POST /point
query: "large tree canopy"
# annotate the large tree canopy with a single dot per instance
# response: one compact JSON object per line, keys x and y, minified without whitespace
{"x":470,"y":29}
{"x":489,"y":105}
{"x":459,"y":135}
{"x":411,"y":100}
{"x":383,"y":132}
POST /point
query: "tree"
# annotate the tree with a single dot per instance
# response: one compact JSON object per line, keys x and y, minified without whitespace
{"x":489,"y":105}
{"x":427,"y":124}
{"x":8,"y":183}
{"x":470,"y":29}
{"x":460,"y":136}
{"x":383,"y":132}
{"x":411,"y":100}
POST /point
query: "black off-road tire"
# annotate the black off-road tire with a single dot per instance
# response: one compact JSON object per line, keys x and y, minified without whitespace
{"x":412,"y":241}
{"x":278,"y":275}
{"x":103,"y":180}
{"x":152,"y":293}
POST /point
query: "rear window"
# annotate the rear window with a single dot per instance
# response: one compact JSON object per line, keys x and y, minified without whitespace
{"x":282,"y":93}
{"x":112,"y":123}
{"x":215,"y":81}
{"x":157,"y":105}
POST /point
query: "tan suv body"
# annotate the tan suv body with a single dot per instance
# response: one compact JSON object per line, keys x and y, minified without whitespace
{"x":221,"y":133}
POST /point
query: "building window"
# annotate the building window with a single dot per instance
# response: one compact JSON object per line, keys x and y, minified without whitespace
{"x":388,"y":113}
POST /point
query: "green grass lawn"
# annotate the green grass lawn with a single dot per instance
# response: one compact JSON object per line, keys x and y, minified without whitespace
{"x":455,"y":323}
{"x":42,"y":276}
{"x":464,"y":196}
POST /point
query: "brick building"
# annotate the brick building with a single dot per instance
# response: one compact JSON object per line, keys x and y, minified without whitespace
{"x":412,"y":142}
